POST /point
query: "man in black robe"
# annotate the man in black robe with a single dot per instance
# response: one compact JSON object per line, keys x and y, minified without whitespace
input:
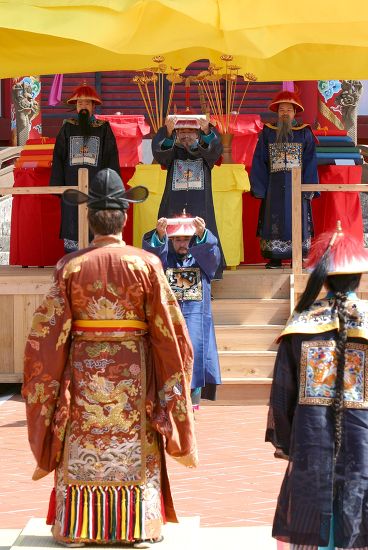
{"x":188,"y":146}
{"x":83,"y":142}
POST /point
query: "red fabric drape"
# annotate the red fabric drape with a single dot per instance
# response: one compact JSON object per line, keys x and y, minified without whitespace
{"x":331,"y":206}
{"x":35,"y":222}
{"x":128,"y":131}
{"x":244,"y":142}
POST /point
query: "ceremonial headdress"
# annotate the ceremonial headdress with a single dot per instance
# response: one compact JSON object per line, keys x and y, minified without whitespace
{"x":286,"y":97}
{"x":182,"y":226}
{"x":106,"y":192}
{"x":84,"y":92}
{"x":332,"y":253}
{"x":187,"y":119}
{"x":340,"y":253}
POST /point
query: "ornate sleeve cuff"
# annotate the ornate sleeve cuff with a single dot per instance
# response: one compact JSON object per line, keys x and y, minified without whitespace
{"x":190,"y":460}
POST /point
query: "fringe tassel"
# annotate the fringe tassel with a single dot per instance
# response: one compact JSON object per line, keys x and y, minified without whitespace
{"x":103,"y":513}
{"x":51,"y":514}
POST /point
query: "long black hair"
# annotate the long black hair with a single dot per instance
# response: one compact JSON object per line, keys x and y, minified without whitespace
{"x":315,"y":283}
{"x":340,"y":285}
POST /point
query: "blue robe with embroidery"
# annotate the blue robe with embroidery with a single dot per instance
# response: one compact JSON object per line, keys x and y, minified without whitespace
{"x":270,"y":180}
{"x":195,"y":303}
{"x":301,"y":425}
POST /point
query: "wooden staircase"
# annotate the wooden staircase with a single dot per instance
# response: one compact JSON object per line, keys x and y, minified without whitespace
{"x":250,"y":309}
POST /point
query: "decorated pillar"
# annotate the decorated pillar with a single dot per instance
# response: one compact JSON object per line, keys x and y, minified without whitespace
{"x":25,"y":109}
{"x":337,"y":105}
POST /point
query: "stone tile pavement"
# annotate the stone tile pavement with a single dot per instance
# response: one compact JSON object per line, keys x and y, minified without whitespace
{"x":236,"y":484}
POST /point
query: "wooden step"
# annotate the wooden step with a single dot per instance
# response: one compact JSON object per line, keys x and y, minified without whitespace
{"x":247,"y":337}
{"x":253,"y":283}
{"x":247,"y":311}
{"x":236,"y":391}
{"x":247,"y":364}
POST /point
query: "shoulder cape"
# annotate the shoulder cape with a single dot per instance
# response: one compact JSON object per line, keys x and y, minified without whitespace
{"x":322,"y":317}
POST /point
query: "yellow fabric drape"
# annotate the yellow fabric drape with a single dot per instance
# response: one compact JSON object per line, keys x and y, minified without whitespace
{"x":275,"y":40}
{"x":229,"y":181}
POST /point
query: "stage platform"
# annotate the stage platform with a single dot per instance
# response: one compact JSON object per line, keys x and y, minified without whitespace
{"x":186,"y":534}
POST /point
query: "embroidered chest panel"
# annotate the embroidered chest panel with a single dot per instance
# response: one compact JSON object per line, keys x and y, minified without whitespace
{"x":185,"y":282}
{"x":284,"y":156}
{"x":188,"y":175}
{"x":318,"y":374}
{"x":84,"y":150}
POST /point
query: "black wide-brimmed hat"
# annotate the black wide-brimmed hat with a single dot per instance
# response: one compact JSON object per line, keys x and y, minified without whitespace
{"x":106,"y":192}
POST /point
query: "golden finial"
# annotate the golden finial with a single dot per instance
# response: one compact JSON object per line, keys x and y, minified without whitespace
{"x":158,"y":58}
{"x":338,"y":233}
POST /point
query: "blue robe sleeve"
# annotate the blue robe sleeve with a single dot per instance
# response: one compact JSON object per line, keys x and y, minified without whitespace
{"x":310,"y":171}
{"x":259,"y":173}
{"x":163,"y":147}
{"x":283,"y":397}
{"x":161,"y":251}
{"x":207,"y":254}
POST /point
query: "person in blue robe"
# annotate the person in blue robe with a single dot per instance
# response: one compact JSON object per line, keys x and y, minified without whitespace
{"x":189,"y":149}
{"x":318,"y":415}
{"x":190,"y":262}
{"x":281,"y":148}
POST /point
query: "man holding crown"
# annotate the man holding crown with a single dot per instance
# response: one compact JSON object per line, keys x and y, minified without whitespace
{"x":188,"y":146}
{"x":83,"y":142}
{"x":281,"y":148}
{"x":190,"y":256}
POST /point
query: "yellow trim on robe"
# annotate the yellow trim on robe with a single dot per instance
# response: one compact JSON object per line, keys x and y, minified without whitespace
{"x":321,"y":317}
{"x":273,"y":127}
{"x":109,"y":323}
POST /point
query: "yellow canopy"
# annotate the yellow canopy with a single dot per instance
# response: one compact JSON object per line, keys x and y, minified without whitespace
{"x":275,"y":39}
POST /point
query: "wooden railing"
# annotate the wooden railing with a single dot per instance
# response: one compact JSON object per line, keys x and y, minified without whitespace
{"x":298,"y":278}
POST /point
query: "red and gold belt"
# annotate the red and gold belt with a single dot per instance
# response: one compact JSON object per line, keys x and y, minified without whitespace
{"x":108,"y":325}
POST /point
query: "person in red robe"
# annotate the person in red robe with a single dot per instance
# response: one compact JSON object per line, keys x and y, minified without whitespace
{"x":107,"y":371}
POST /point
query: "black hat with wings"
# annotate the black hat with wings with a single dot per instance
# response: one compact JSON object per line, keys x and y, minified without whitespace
{"x":106,"y":192}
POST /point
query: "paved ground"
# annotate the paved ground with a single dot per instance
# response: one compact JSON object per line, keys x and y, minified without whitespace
{"x":236,"y":484}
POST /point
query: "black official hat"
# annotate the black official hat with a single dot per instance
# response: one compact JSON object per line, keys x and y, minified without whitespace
{"x":106,"y":192}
